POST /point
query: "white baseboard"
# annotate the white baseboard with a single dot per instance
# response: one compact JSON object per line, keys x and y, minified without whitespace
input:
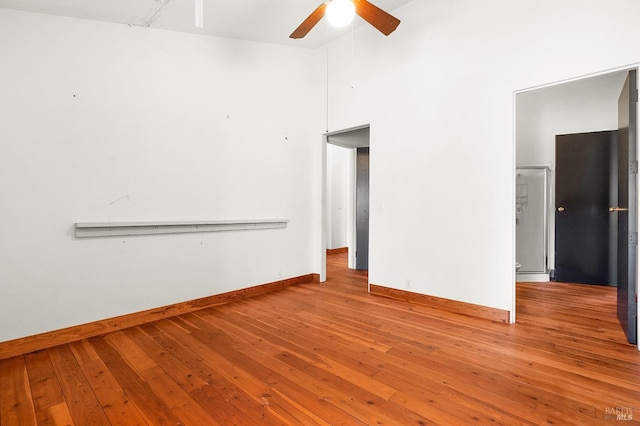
{"x":532,"y":278}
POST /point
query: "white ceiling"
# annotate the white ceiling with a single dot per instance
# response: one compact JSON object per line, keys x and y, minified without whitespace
{"x":269,"y":21}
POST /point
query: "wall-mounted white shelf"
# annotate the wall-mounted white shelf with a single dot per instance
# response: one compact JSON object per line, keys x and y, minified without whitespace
{"x":117,"y":229}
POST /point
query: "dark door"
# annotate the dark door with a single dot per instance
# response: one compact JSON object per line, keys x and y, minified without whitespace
{"x":362,"y":208}
{"x":582,"y":207}
{"x":626,"y":210}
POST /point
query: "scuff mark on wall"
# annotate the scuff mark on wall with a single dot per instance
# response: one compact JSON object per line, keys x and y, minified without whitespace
{"x":155,"y":13}
{"x":126,"y":198}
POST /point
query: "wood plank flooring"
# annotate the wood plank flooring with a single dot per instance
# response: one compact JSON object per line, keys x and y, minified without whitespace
{"x":332,"y":354}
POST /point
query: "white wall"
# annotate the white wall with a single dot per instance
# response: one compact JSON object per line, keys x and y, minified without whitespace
{"x":586,"y":105}
{"x":104,"y":122}
{"x":147,"y":138}
{"x":439,"y":95}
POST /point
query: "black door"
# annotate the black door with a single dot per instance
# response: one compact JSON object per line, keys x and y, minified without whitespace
{"x":362,"y":208}
{"x":582,"y":252}
{"x":627,"y":207}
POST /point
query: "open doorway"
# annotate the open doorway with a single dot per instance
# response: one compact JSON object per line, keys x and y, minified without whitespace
{"x":572,"y":107}
{"x":581,"y":105}
{"x":345,"y":194}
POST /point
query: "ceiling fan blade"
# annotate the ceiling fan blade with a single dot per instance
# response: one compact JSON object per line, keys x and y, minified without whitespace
{"x":310,"y":22}
{"x":384,"y":22}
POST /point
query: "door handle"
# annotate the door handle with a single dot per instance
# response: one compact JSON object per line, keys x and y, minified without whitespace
{"x":561,"y":209}
{"x":617,"y":209}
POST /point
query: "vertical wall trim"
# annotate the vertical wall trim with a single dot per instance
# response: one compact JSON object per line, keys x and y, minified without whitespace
{"x":323,"y":210}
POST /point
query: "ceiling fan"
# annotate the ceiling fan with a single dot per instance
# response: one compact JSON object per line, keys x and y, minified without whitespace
{"x":381,"y":20}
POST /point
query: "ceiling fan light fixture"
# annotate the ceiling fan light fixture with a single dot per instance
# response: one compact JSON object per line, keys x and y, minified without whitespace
{"x":340,"y":13}
{"x":371,"y":13}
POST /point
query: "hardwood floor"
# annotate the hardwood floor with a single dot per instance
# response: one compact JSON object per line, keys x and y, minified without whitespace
{"x":332,"y":354}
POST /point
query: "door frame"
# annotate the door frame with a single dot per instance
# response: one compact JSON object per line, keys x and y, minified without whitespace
{"x":629,"y":67}
{"x":324,"y":228}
